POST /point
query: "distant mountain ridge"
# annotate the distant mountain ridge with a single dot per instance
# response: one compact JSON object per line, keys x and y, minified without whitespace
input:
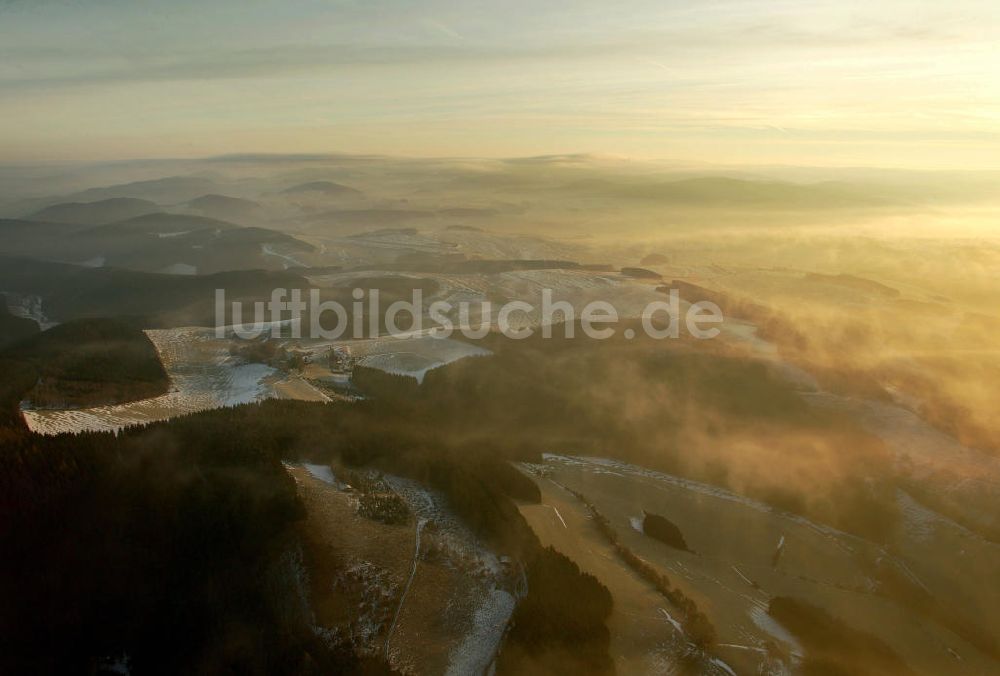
{"x":325,"y":187}
{"x":164,"y":222}
{"x":721,"y":191}
{"x":155,"y":242}
{"x":167,"y":190}
{"x":95,"y":213}
{"x":225,"y":208}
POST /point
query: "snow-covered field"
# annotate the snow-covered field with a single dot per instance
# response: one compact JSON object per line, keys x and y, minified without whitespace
{"x":732,"y":572}
{"x":628,"y":296}
{"x":476,"y":298}
{"x":202,"y":373}
{"x":410,"y":355}
{"x":414,"y":356}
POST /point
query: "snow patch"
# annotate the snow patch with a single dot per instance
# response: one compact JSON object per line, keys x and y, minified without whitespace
{"x":560,"y":516}
{"x":772,"y":628}
{"x":722,"y":665}
{"x":322,"y":472}
{"x":673,"y":623}
{"x":416,"y":356}
{"x":28,"y":306}
{"x":287,"y":260}
{"x":202,"y":374}
{"x":615,"y":467}
{"x":476,"y":652}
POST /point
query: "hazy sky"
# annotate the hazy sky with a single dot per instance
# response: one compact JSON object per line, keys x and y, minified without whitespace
{"x":885,"y":83}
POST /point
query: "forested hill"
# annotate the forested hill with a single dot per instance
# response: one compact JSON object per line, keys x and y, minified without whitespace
{"x":157,"y":300}
{"x":176,"y":544}
{"x":12,"y":328}
{"x":87,"y":362}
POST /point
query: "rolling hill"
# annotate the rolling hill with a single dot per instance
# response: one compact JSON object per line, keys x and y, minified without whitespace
{"x":177,"y":243}
{"x":328,"y":188}
{"x":95,"y":213}
{"x":225,"y":208}
{"x":157,"y":300}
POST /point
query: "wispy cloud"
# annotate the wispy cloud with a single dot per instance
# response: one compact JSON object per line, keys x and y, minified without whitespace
{"x":584,"y":72}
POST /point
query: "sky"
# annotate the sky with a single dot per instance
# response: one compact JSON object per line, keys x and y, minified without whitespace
{"x":913,"y":84}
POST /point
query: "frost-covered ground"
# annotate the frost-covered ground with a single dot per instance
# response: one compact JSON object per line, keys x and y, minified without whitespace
{"x":410,"y":355}
{"x":484,"y":294}
{"x":486,"y":584}
{"x":202,"y":374}
{"x":476,"y":652}
{"x":426,"y":594}
{"x":416,"y":356}
{"x":732,"y":572}
{"x":449,"y":531}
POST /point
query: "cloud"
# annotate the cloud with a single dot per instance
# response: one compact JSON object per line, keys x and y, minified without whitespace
{"x":568,"y":75}
{"x":442,"y":28}
{"x":69,"y":69}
